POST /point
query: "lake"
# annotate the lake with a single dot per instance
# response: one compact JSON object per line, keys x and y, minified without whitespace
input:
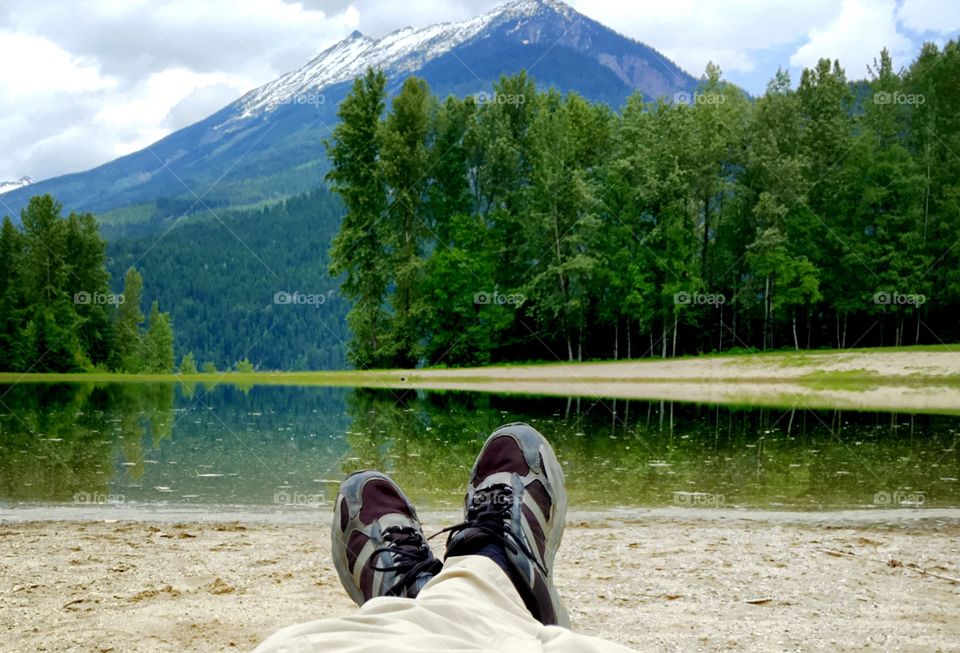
{"x":286,"y":448}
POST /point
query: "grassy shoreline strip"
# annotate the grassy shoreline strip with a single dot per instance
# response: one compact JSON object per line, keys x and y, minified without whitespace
{"x":820,"y":379}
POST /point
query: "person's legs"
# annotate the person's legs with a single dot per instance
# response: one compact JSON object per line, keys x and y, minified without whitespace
{"x":470,"y":606}
{"x":475,"y":590}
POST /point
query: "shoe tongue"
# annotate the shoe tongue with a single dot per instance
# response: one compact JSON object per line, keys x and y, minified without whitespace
{"x":493,"y":498}
{"x":499,"y":478}
{"x":403,"y":539}
{"x":394,"y":520}
{"x":392,"y":528}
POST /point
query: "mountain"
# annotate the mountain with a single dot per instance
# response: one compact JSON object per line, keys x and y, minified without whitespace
{"x":408,"y":50}
{"x":8,"y":186}
{"x":269,"y":143}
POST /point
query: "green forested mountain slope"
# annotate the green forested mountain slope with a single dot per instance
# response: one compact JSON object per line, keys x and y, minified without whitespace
{"x":220,"y":273}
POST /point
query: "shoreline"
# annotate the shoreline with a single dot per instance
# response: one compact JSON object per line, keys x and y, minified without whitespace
{"x":887,"y":380}
{"x":269,"y":516}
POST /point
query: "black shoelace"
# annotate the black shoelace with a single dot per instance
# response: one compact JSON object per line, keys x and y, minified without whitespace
{"x":489,"y":515}
{"x":411,"y":557}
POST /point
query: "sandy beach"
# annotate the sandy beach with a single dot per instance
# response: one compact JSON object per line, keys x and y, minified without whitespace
{"x":859,"y":380}
{"x":654,"y":580}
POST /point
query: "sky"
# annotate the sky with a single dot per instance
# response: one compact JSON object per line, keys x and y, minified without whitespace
{"x":82,"y":83}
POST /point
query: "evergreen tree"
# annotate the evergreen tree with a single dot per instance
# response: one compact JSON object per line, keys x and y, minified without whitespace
{"x":157,"y":344}
{"x":90,"y":281}
{"x":12,"y":337}
{"x":128,"y":348}
{"x":45,"y":271}
{"x":188,"y":364}
{"x":50,"y":343}
{"x":56,"y":309}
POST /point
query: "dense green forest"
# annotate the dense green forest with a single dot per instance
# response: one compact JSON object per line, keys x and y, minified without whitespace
{"x":248,"y":285}
{"x":535,"y":225}
{"x":57,"y":313}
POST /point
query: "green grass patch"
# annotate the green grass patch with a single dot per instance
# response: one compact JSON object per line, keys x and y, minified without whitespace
{"x":346,"y":378}
{"x":861,"y":379}
{"x":855,"y":380}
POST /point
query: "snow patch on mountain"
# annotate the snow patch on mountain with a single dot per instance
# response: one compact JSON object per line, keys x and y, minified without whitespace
{"x":7,"y":186}
{"x":404,"y":50}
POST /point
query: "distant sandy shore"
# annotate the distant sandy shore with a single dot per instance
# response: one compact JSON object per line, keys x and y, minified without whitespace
{"x":718,"y":581}
{"x":889,"y":365}
{"x":868,"y":380}
{"x":880,"y":379}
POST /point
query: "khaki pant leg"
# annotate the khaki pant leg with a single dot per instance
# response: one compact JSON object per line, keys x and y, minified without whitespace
{"x":561,"y":640}
{"x":470,"y":606}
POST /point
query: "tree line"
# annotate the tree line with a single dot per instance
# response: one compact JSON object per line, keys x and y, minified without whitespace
{"x":525,"y":224}
{"x":57,"y":311}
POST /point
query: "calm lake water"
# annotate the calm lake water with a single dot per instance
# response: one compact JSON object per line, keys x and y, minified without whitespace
{"x":288,"y":447}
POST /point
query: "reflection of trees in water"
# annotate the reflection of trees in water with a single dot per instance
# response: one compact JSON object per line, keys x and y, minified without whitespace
{"x":635,"y":452}
{"x":142,"y":410}
{"x":426,"y":444}
{"x":58,"y":440}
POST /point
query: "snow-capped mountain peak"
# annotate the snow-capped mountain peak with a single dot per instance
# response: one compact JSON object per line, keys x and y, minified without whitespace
{"x":400,"y":51}
{"x":7,"y":186}
{"x":264,"y":146}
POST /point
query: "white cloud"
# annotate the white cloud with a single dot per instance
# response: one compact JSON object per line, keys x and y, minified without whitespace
{"x":81,"y":87}
{"x":30,"y":62}
{"x":855,"y":37}
{"x":941,"y":16}
{"x":733,"y":35}
{"x":204,"y":101}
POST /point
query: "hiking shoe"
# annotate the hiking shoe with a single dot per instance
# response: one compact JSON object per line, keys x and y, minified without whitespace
{"x":378,"y":543}
{"x":516,"y":499}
